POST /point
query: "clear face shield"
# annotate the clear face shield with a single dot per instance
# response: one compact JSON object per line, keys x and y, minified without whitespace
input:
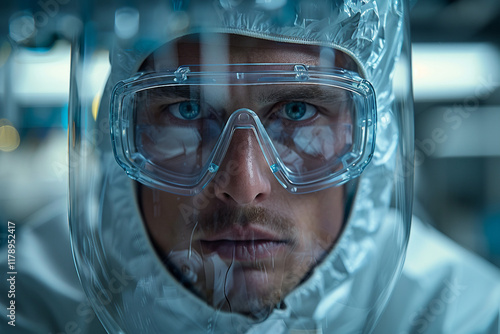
{"x":231,"y":178}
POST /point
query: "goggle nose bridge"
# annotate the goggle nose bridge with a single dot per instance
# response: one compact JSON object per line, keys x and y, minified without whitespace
{"x":244,"y":119}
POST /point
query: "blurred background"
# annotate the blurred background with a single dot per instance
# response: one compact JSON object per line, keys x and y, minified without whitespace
{"x":456,"y":68}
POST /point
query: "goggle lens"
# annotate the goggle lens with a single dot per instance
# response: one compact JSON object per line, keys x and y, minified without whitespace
{"x":308,"y":131}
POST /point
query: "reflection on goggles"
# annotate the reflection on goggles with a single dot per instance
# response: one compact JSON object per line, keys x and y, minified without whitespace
{"x":314,"y":133}
{"x":179,"y":136}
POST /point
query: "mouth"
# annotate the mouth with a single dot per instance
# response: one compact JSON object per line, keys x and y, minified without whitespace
{"x":244,"y":244}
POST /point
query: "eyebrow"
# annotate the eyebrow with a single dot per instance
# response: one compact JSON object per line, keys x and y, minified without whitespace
{"x":315,"y":93}
{"x":184,"y":91}
{"x":269,"y":94}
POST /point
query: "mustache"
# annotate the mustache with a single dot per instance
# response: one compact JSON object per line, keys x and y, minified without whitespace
{"x":224,"y":218}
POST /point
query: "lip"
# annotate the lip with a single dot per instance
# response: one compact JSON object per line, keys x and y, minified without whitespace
{"x":244,"y":244}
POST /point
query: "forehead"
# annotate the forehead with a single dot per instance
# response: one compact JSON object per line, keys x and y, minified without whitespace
{"x":236,"y":49}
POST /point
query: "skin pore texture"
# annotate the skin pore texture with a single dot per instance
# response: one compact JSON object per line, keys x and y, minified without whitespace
{"x":244,"y":242}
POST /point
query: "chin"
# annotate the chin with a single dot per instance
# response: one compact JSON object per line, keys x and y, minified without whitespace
{"x":251,"y":288}
{"x":254,"y":306}
{"x":253,"y":291}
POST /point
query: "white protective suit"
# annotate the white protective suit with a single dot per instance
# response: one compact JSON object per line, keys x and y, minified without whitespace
{"x":358,"y":286}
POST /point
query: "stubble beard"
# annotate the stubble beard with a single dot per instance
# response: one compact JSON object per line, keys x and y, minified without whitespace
{"x":233,"y":294}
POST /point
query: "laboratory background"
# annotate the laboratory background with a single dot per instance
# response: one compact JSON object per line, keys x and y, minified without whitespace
{"x":456,"y":83}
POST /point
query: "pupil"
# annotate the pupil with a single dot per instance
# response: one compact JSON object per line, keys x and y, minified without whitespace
{"x":189,"y":110}
{"x":295,"y":110}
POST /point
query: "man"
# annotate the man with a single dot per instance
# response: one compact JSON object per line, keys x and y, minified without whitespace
{"x":248,"y":221}
{"x":246,"y":147}
{"x":258,"y":179}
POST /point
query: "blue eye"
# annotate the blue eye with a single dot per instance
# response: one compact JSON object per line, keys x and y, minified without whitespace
{"x":187,"y":110}
{"x":298,"y":111}
{"x":295,"y":110}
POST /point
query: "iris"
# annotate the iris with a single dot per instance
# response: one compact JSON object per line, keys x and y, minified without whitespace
{"x":295,"y":110}
{"x":189,"y":109}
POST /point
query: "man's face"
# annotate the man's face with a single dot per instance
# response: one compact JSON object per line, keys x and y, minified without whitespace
{"x":244,"y":242}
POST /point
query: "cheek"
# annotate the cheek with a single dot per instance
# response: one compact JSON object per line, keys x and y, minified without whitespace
{"x":320,"y":217}
{"x":166,"y":217}
{"x":332,"y":214}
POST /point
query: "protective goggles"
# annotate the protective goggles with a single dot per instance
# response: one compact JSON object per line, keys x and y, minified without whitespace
{"x":315,"y":126}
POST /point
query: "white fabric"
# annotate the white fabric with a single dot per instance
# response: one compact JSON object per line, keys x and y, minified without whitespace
{"x":443,"y":289}
{"x":48,"y":297}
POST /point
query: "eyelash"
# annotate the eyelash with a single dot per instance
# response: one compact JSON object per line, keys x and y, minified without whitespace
{"x":277,"y":111}
{"x":173,"y":114}
{"x":177,"y":112}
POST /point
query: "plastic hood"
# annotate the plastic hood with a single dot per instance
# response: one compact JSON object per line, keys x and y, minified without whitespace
{"x":130,"y":289}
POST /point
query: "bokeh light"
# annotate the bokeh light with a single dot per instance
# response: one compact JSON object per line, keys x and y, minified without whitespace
{"x":9,"y":136}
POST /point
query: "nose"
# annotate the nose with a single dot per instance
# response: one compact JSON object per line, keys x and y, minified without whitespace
{"x":245,"y":177}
